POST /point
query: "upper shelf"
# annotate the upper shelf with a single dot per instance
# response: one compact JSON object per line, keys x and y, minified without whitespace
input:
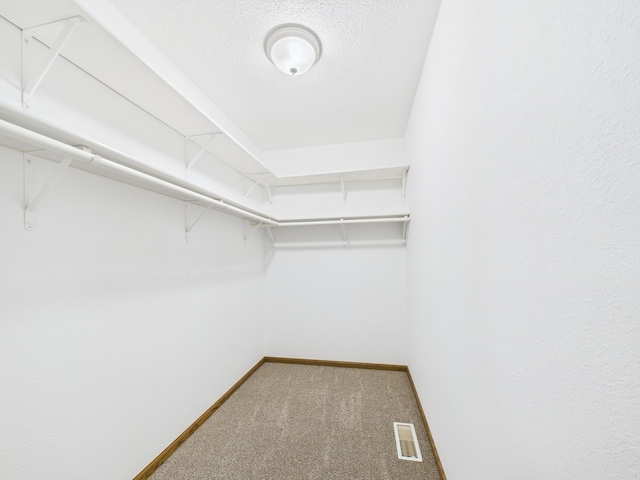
{"x":335,"y":177}
{"x":108,"y":48}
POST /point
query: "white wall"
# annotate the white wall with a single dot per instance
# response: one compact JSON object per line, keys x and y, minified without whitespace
{"x":523,"y":264}
{"x":346,"y":304}
{"x":336,"y":158}
{"x":115,"y":334}
{"x":337,"y":304}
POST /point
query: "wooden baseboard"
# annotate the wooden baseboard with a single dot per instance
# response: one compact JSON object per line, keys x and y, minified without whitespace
{"x":426,"y":427}
{"x":332,"y":363}
{"x":167,"y":452}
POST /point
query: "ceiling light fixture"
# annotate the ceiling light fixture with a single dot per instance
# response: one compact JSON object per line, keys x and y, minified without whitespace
{"x":294,"y":49}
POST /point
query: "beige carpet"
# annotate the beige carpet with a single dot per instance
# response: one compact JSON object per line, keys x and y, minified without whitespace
{"x":306,"y":422}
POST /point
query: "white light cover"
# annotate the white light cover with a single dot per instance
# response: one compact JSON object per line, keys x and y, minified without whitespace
{"x":294,"y":49}
{"x":293,"y":55}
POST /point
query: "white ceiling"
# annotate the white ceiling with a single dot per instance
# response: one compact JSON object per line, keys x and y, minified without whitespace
{"x":361,"y":89}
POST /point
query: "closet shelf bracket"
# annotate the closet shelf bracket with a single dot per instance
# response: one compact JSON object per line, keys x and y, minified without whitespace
{"x":32,"y":198}
{"x":273,"y":240}
{"x":344,"y":233}
{"x":189,"y":226}
{"x":31,"y":81}
{"x":190,"y":162}
{"x":404,"y":184}
{"x":267,"y":186}
{"x":256,"y":182}
{"x":405,"y":226}
{"x":252,"y":229}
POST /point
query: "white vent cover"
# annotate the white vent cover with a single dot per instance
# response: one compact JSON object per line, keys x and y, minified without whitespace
{"x":407,"y":442}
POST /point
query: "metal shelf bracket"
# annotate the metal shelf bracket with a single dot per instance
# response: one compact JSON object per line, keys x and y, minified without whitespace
{"x":254,"y":185}
{"x":32,"y":198}
{"x":344,"y":233}
{"x":251,"y":230}
{"x":344,"y":192}
{"x":404,"y":185}
{"x":189,"y":226}
{"x":260,"y":180}
{"x":190,"y":162}
{"x":267,"y":186}
{"x":31,"y":84}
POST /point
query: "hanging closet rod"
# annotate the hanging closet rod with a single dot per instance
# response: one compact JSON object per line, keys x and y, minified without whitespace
{"x":339,"y":244}
{"x":343,"y":221}
{"x":44,"y":142}
{"x":47,"y":143}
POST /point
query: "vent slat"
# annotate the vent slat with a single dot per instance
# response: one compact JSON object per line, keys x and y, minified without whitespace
{"x":407,"y":442}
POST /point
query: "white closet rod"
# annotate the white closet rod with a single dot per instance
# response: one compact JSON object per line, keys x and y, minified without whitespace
{"x":46,"y":143}
{"x":345,"y":221}
{"x":339,"y":244}
{"x":42,"y":141}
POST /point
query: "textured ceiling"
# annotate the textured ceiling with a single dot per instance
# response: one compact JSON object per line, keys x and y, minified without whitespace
{"x":361,"y":89}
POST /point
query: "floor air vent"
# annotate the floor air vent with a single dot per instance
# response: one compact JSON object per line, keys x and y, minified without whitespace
{"x":407,"y":442}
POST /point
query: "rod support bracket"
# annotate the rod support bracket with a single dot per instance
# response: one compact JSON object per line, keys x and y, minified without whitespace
{"x":31,"y":80}
{"x":267,"y":186}
{"x":256,"y":182}
{"x":190,"y":162}
{"x":189,"y":226}
{"x":404,"y":184}
{"x":273,"y":240}
{"x":252,"y":229}
{"x":33,"y":198}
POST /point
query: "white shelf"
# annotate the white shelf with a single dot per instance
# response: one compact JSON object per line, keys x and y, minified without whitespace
{"x":384,"y":173}
{"x":108,"y":48}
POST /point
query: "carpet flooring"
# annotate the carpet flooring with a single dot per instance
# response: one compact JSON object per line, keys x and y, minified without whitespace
{"x":306,"y":422}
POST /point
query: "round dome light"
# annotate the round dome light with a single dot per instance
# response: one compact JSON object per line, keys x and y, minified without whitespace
{"x":294,"y":49}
